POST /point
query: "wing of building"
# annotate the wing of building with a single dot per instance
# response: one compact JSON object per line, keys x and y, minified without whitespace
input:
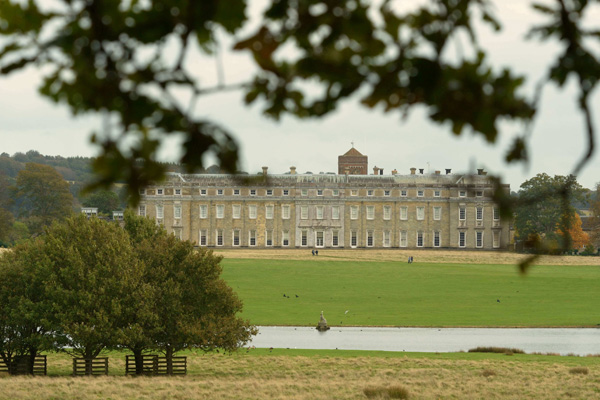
{"x":416,"y":210}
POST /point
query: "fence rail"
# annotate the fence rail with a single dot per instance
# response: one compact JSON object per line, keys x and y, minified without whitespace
{"x":94,"y":366}
{"x":21,"y":365}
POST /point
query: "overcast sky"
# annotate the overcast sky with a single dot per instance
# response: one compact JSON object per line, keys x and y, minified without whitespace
{"x":27,"y":121}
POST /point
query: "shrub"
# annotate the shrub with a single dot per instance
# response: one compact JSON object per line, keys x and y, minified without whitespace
{"x":391,"y":392}
{"x":488,"y":372}
{"x":500,"y":350}
{"x":579,"y":370}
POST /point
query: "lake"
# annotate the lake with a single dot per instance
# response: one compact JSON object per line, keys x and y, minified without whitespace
{"x":579,"y":341}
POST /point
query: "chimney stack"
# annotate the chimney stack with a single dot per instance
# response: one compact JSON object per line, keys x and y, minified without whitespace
{"x":421,"y":170}
{"x":293,"y":170}
{"x":412,"y":171}
{"x":448,"y":171}
{"x":265,"y":170}
{"x":394,"y":172}
{"x":481,"y":171}
{"x":437,"y":172}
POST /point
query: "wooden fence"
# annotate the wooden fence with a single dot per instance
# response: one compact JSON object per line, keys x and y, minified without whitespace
{"x":94,"y":366}
{"x":155,"y":365}
{"x":20,"y":365}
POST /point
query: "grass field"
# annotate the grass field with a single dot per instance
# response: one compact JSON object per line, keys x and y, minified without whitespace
{"x":394,"y":293}
{"x":305,"y":374}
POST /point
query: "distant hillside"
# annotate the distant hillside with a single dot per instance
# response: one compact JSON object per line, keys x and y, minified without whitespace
{"x":75,"y":169}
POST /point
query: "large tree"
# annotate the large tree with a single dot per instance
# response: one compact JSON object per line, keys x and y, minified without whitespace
{"x":192,"y":307}
{"x":106,"y":201}
{"x":109,"y":57}
{"x":6,"y":217}
{"x":25,"y":314}
{"x":545,"y":207}
{"x":42,"y":196}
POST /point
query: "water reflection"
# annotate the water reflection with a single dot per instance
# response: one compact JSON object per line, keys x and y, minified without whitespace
{"x":580,"y":341}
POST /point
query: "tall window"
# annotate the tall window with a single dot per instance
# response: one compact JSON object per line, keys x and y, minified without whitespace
{"x":436,"y":239}
{"x":496,"y":213}
{"x":220,"y":211}
{"x":386,"y":239}
{"x":462,"y":239}
{"x":236,"y":237}
{"x":319,"y":238}
{"x":304,"y":238}
{"x":219,"y":237}
{"x":387,"y":212}
{"x":353,"y":239}
{"x":369,"y":238}
{"x":177,"y":211}
{"x":252,"y":238}
{"x":334,"y":238}
{"x":269,"y":211}
{"x":252,"y":211}
{"x":203,"y":239}
{"x":353,"y":212}
{"x":269,"y":238}
{"x":319,"y":212}
{"x":335,"y":212}
{"x":479,"y":213}
{"x":495,"y":239}
{"x":303,"y":212}
{"x":160,"y":211}
{"x":203,"y":211}
{"x":419,"y":239}
{"x":237,"y":211}
{"x":404,"y":213}
{"x":285,"y":212}
{"x":285,"y":238}
{"x":462,"y":213}
{"x":370,"y":212}
{"x":142,"y":210}
{"x":437,"y":213}
{"x":479,"y":239}
{"x":420,"y":213}
{"x":403,"y":239}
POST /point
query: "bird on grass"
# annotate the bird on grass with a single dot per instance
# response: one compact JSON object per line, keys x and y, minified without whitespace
{"x":346,"y":312}
{"x":498,"y":300}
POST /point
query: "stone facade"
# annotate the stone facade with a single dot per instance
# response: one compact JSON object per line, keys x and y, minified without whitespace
{"x":330,"y":211}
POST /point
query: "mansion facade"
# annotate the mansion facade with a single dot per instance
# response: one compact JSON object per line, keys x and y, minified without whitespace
{"x":416,"y":210}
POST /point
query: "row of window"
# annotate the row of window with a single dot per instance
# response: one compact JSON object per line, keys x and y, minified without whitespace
{"x":322,"y":192}
{"x":319,"y":212}
{"x":335,"y":240}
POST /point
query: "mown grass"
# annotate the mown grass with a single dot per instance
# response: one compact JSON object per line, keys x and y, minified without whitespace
{"x":419,"y":294}
{"x":332,"y":374}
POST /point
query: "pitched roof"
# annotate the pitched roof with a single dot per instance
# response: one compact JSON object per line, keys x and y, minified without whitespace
{"x":353,"y":152}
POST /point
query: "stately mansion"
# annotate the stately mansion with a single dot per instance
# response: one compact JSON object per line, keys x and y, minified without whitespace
{"x":349,"y":209}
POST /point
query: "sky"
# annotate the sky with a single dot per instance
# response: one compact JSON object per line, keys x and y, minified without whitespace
{"x":557,"y":142}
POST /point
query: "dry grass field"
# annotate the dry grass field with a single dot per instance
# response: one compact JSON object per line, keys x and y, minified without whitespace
{"x":428,"y":256}
{"x":330,"y":377}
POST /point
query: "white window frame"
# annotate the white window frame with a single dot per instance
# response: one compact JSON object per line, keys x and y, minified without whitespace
{"x":252,"y":238}
{"x":236,"y":211}
{"x":335,"y":238}
{"x":142,"y":210}
{"x":319,"y":192}
{"x":252,"y":211}
{"x":335,"y":212}
{"x":462,"y":193}
{"x":269,"y":211}
{"x":203,"y":237}
{"x":462,"y":213}
{"x":236,"y":192}
{"x":479,"y":193}
{"x":479,"y":239}
{"x":479,"y":213}
{"x":404,"y":213}
{"x":177,"y":211}
{"x":268,"y":238}
{"x":496,"y":214}
{"x":177,"y":192}
{"x":353,"y":239}
{"x":203,"y":211}
{"x":420,"y":239}
{"x":370,"y":192}
{"x":319,"y":239}
{"x":387,"y":213}
{"x":285,"y":238}
{"x":420,"y":193}
{"x":335,"y":192}
{"x":370,"y":212}
{"x":404,"y":193}
{"x":220,"y":237}
{"x":354,"y":192}
{"x":437,"y":213}
{"x":353,"y":212}
{"x":437,"y":193}
{"x":252,"y":192}
{"x":387,"y":239}
{"x":403,"y":239}
{"x":420,"y":213}
{"x":220,"y":211}
{"x":220,"y":192}
{"x":304,"y":192}
{"x":286,"y":192}
{"x":203,"y":192}
{"x":269,"y":192}
{"x":235,"y":236}
{"x":303,"y":212}
{"x":160,"y":191}
{"x":304,"y":238}
{"x":387,"y":193}
{"x":319,"y":212}
{"x":370,"y":238}
{"x":437,"y":235}
{"x":160,"y":211}
{"x":285,"y":211}
{"x":495,"y":239}
{"x":462,"y":239}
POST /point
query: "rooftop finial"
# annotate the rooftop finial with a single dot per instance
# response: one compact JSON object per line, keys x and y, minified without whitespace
{"x":352,"y":143}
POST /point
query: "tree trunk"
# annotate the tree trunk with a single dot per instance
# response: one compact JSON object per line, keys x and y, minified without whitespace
{"x":33,"y":352}
{"x":139,"y":361}
{"x":169,"y":359}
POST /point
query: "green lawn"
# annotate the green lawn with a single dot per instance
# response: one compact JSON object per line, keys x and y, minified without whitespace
{"x":398,"y":294}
